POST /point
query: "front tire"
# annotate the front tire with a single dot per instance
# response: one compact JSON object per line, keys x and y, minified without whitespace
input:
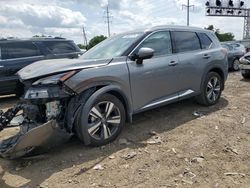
{"x":102,"y":121}
{"x":211,"y":89}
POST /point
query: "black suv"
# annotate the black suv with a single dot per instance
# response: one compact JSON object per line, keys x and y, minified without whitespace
{"x":15,"y":54}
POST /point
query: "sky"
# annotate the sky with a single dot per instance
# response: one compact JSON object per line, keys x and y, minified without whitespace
{"x":65,"y":18}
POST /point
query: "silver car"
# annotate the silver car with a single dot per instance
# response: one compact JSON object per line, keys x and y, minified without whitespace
{"x":95,"y":95}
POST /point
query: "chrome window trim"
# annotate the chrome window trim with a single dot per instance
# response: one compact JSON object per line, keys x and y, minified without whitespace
{"x":165,"y":30}
{"x":68,"y":53}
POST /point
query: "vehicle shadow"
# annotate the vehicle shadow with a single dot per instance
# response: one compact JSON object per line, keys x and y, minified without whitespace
{"x":245,"y":80}
{"x":39,"y":168}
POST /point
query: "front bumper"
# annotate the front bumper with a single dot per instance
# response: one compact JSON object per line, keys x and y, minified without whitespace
{"x":244,"y":67}
{"x":33,"y":138}
{"x":43,"y":123}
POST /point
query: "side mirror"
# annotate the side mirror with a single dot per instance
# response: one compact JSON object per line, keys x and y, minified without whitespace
{"x":144,"y":53}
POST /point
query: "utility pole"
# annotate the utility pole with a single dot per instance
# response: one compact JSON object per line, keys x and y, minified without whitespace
{"x":85,"y":37}
{"x":188,"y":13}
{"x":188,"y":6}
{"x":108,"y":19}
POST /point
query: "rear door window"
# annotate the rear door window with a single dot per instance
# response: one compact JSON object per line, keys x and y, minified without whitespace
{"x":60,"y":47}
{"x":206,"y":42}
{"x":19,"y":50}
{"x":160,"y":42}
{"x":185,"y":41}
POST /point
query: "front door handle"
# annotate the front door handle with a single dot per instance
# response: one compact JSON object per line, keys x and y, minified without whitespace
{"x":173,"y":63}
{"x":1,"y":66}
{"x":206,"y":56}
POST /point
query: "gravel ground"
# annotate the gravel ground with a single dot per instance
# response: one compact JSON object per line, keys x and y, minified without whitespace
{"x":165,"y":147}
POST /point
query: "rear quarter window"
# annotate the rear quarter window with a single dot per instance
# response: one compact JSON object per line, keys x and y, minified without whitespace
{"x":185,"y":41}
{"x":60,"y":47}
{"x":206,"y":42}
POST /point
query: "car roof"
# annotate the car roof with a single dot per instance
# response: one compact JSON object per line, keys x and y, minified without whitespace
{"x":166,"y":27}
{"x":35,"y":39}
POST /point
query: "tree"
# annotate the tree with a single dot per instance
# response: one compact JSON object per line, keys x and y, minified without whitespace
{"x":81,"y":46}
{"x":221,"y":36}
{"x":95,"y":40}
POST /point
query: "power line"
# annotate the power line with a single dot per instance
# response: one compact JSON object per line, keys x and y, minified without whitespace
{"x":188,"y":6}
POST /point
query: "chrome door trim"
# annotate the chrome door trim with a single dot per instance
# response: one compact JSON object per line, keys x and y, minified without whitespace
{"x":185,"y":93}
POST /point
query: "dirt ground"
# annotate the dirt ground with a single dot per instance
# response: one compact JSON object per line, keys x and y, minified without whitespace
{"x":165,"y":147}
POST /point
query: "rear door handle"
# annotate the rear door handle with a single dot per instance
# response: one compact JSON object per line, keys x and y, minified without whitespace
{"x":173,"y":63}
{"x":1,"y":66}
{"x":206,"y":56}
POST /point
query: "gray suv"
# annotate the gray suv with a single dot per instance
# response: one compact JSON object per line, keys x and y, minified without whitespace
{"x":95,"y":95}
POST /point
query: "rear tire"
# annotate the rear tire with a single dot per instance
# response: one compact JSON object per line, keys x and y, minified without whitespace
{"x":211,"y":89}
{"x":103,"y":121}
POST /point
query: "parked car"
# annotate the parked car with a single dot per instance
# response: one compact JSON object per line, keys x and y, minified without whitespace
{"x":245,"y":65}
{"x":239,"y":46}
{"x":16,"y":54}
{"x":234,"y":55}
{"x":129,"y":73}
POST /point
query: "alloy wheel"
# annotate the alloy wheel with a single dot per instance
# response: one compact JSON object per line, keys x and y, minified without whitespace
{"x":236,"y":64}
{"x":213,"y":89}
{"x":104,"y":120}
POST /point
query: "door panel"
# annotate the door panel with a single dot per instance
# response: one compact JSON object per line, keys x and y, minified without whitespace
{"x":156,"y":79}
{"x":8,"y":70}
{"x":153,"y":80}
{"x":192,"y":59}
{"x":192,"y":66}
{"x":15,"y":56}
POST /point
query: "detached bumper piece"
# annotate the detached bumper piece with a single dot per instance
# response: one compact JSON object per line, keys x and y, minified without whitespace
{"x":32,"y":138}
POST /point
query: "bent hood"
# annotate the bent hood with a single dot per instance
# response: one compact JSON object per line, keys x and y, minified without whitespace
{"x":48,"y":67}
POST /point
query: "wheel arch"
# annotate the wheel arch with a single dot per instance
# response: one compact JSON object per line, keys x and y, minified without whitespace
{"x":117,"y":91}
{"x":219,"y":71}
{"x":97,"y":92}
{"x":91,"y":94}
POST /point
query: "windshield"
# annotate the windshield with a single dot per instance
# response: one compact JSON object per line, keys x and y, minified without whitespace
{"x":112,"y":47}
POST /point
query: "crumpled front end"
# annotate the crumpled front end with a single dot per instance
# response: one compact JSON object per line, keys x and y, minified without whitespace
{"x":41,"y":117}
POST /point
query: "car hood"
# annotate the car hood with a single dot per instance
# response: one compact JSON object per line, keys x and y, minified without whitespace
{"x":49,"y":67}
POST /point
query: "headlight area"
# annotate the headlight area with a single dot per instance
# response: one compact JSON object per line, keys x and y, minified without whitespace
{"x":44,"y":103}
{"x":245,"y":60}
{"x":47,"y":93}
{"x":47,"y":99}
{"x":51,"y":87}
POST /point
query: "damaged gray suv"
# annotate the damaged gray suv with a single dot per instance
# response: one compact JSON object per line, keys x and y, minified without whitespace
{"x":95,"y":95}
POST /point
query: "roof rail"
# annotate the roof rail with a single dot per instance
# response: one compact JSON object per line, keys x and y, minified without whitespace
{"x":59,"y":38}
